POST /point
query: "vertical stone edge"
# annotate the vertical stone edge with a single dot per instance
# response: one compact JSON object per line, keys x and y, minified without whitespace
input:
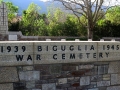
{"x":33,"y":53}
{"x":97,"y":50}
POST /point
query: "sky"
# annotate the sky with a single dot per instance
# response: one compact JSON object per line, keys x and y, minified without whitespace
{"x":112,"y":2}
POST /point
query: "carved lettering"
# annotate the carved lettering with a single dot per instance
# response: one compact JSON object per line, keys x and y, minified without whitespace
{"x":63,"y":48}
{"x":55,"y":56}
{"x":94,"y":55}
{"x":92,"y":47}
{"x":107,"y":54}
{"x":87,"y":55}
{"x":79,"y":47}
{"x":63,"y":56}
{"x":80,"y":55}
{"x":39,"y":48}
{"x":38,"y":57}
{"x":71,"y":48}
{"x":2,"y":49}
{"x":19,"y":57}
{"x":100,"y":55}
{"x":29,"y":58}
{"x":72,"y":56}
{"x":55,"y":48}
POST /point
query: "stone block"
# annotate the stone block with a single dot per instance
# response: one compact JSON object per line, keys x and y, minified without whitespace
{"x":102,"y":88}
{"x":102,"y":69}
{"x":94,"y":84}
{"x":84,"y":80}
{"x":28,"y":68}
{"x":71,"y":88}
{"x":19,"y":85}
{"x":94,"y":89}
{"x":113,"y":88}
{"x":7,"y":86}
{"x":55,"y":69}
{"x":12,"y":37}
{"x":115,"y":79}
{"x":44,"y":69}
{"x":114,"y":67}
{"x":69,"y":67}
{"x":62,"y":81}
{"x":8,"y":74}
{"x":96,"y":78}
{"x":19,"y":68}
{"x":29,"y":75}
{"x":50,"y":86}
{"x":106,"y":77}
{"x":30,"y":84}
{"x":86,"y":66}
{"x":103,"y":83}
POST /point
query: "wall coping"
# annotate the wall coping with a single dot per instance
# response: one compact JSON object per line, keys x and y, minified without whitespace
{"x":15,"y":53}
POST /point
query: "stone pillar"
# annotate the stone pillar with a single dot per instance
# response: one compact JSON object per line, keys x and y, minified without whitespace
{"x":3,"y":19}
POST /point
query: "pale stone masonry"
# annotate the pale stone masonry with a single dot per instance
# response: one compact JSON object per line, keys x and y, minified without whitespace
{"x":53,"y":52}
{"x":59,"y":65}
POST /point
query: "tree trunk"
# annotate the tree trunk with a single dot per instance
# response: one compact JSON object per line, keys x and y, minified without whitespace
{"x":90,"y":31}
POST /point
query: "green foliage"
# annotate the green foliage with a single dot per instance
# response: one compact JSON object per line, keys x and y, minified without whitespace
{"x":59,"y":23}
{"x":72,"y":27}
{"x":14,"y":26}
{"x":12,"y":10}
{"x":113,"y":14}
{"x":33,"y":23}
{"x":56,"y":20}
{"x":106,"y":28}
{"x":64,"y":24}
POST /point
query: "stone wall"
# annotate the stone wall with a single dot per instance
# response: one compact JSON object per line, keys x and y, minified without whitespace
{"x":77,"y":76}
{"x":89,"y":73}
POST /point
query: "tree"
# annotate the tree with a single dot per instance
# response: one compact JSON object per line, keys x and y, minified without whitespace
{"x":56,"y":18}
{"x":92,"y":10}
{"x":113,"y":14}
{"x":72,"y":27}
{"x":12,"y":10}
{"x":33,"y":23}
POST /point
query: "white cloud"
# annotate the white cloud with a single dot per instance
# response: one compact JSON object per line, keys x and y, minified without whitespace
{"x":112,"y":2}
